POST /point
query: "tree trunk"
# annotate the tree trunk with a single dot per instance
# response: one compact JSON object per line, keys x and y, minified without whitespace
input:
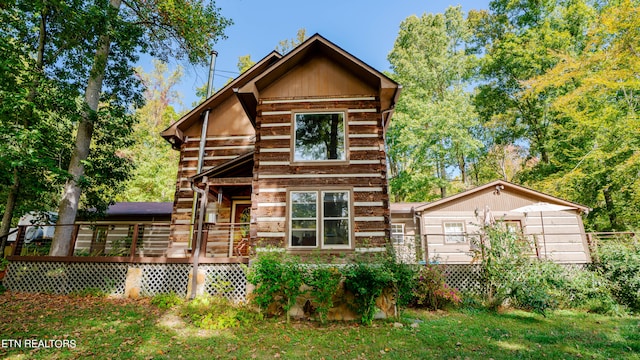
{"x":611,"y":212}
{"x":71,"y":193}
{"x":8,"y":210}
{"x":12,"y":197}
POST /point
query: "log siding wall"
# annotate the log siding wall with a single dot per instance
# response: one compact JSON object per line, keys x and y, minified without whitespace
{"x":364,"y":173}
{"x":218,"y":150}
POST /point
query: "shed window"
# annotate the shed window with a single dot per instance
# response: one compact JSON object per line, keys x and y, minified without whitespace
{"x":397,"y":233}
{"x":454,"y":232}
{"x":319,"y":137}
{"x":320,"y":219}
{"x":513,"y":226}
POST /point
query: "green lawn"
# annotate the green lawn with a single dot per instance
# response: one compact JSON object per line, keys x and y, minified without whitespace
{"x":111,"y":328}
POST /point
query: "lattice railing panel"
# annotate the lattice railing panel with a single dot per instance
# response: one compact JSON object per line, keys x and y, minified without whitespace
{"x":64,"y":278}
{"x":108,"y":277}
{"x":228,"y":280}
{"x":464,"y":277}
{"x":164,"y":278}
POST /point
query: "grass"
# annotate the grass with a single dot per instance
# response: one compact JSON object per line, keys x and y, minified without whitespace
{"x":127,"y":329}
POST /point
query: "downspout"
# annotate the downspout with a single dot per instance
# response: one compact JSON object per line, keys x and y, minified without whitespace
{"x":196,"y":252}
{"x":417,"y":223}
{"x":203,"y":140}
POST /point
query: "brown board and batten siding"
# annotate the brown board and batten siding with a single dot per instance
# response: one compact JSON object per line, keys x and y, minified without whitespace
{"x":363,"y":172}
{"x":562,"y":240}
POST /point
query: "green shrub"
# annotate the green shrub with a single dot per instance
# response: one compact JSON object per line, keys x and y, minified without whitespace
{"x":167,"y":301}
{"x":324,"y":282}
{"x":619,"y":263}
{"x":366,"y":282}
{"x":509,"y":273}
{"x":538,"y":287}
{"x":590,"y":291}
{"x":277,"y":279}
{"x":403,"y":277}
{"x":431,"y":291}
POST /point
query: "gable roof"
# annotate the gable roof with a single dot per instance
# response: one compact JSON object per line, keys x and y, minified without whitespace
{"x":389,"y":90}
{"x":174,"y":133}
{"x":500,"y":184}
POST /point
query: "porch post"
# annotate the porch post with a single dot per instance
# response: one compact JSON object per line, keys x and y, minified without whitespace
{"x":196,"y":250}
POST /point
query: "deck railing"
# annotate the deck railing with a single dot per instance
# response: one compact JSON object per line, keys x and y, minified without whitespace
{"x":132,"y":242}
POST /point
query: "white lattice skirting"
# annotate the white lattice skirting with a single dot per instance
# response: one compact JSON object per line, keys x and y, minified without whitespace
{"x":228,"y":280}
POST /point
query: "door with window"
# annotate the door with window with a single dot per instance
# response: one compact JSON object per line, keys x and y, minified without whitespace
{"x":241,"y":215}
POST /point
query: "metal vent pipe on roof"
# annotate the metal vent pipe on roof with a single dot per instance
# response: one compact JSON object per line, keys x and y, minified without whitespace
{"x":203,"y":139}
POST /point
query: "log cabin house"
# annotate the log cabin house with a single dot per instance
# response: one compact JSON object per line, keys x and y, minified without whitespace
{"x":292,"y":156}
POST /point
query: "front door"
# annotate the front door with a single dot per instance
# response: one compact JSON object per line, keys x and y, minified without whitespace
{"x":241,"y":215}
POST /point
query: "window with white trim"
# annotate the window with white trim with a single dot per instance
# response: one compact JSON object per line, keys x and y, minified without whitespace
{"x":513,"y":226}
{"x":319,"y":136}
{"x":453,"y":232}
{"x":320,"y":219}
{"x":397,"y":233}
{"x":304,"y":214}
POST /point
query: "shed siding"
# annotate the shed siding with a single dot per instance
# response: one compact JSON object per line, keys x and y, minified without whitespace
{"x":564,"y":240}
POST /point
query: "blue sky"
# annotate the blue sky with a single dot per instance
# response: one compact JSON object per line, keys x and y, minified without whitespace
{"x":366,"y":29}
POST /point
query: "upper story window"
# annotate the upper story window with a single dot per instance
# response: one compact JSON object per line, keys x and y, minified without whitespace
{"x":319,"y":136}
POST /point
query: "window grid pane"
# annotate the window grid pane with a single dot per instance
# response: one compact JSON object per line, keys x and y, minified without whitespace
{"x":336,"y":229}
{"x":454,"y":232}
{"x":397,"y":233}
{"x":304,"y":219}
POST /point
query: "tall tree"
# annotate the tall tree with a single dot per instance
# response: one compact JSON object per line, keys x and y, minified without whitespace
{"x":518,"y":38}
{"x":35,"y":108}
{"x":156,"y":163}
{"x":118,"y":30}
{"x":432,"y":129}
{"x":598,"y":159}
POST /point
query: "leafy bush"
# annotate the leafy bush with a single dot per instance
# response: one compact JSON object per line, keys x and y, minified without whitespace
{"x":501,"y":254}
{"x":510,"y":274}
{"x":324,"y":282}
{"x":216,"y":312}
{"x":538,"y":286}
{"x":403,"y":277}
{"x":167,"y":301}
{"x":366,"y":282}
{"x":277,"y":279}
{"x":431,"y":291}
{"x":619,"y":263}
{"x":588,"y":290}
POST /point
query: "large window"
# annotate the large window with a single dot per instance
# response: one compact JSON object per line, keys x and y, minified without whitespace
{"x":320,"y":219}
{"x":319,"y":137}
{"x":454,"y":232}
